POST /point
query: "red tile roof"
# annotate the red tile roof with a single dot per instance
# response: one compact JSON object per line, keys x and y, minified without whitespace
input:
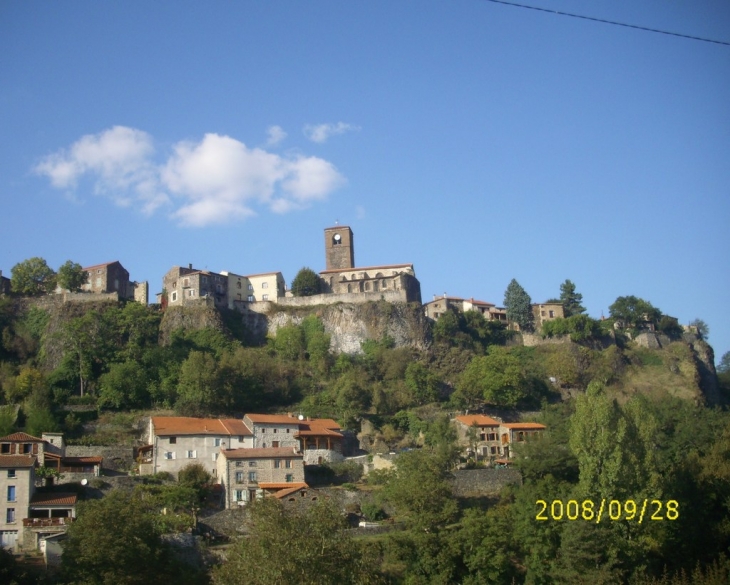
{"x":288,"y":487}
{"x":524,"y":425}
{"x":319,"y":426}
{"x":184,"y":425}
{"x":480,"y":419}
{"x":94,"y":460}
{"x":16,"y":461}
{"x":24,"y":437}
{"x":53,"y":499}
{"x":261,"y":453}
{"x":274,"y":419}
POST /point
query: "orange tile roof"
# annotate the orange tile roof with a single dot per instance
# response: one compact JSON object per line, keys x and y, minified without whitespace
{"x":184,"y":425}
{"x":260,"y":453}
{"x":95,"y":459}
{"x":287,"y":492}
{"x":275,"y":419}
{"x":282,"y":485}
{"x":319,"y":426}
{"x":53,"y":499}
{"x":524,"y":425}
{"x":16,"y":461}
{"x":21,"y":437}
{"x":480,"y":419}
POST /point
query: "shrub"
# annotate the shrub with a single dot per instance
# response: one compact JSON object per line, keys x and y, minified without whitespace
{"x":350,"y":487}
{"x":372,"y":512}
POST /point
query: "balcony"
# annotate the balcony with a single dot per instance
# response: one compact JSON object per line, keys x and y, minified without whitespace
{"x":47,"y":522}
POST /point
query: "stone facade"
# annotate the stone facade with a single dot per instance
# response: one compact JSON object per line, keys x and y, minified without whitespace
{"x":175,"y":442}
{"x":547,"y":312}
{"x":373,"y":281}
{"x":477,"y":482}
{"x":185,"y":286}
{"x":111,"y":277}
{"x":440,"y":304}
{"x":254,"y":288}
{"x":247,"y":474}
{"x":339,"y":245}
{"x":17,"y":478}
{"x":494,"y":438}
{"x":4,"y":284}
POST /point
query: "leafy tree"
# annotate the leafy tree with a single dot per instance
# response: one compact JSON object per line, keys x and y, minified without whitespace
{"x":703,"y":329}
{"x":422,"y":383}
{"x":306,"y":283}
{"x":420,"y":490}
{"x":634,"y":312}
{"x":199,"y":387}
{"x":71,"y":276}
{"x":311,"y":547}
{"x":124,"y":386}
{"x":724,"y":366}
{"x":289,"y":342}
{"x":195,"y":477}
{"x":32,"y":277}
{"x":518,"y":305}
{"x":115,"y":540}
{"x":570,"y":299}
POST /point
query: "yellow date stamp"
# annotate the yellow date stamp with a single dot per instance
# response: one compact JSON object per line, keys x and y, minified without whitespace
{"x":608,"y":510}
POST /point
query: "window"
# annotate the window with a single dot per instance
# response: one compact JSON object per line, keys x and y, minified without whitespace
{"x":289,"y":478}
{"x":5,"y":448}
{"x":173,"y":296}
{"x":252,"y":464}
{"x":552,"y":314}
{"x":173,"y":440}
{"x":277,"y":463}
{"x":11,"y":474}
{"x":204,"y":279}
{"x":250,"y":298}
{"x":250,"y":287}
{"x":275,"y":444}
{"x":10,"y":516}
{"x":215,"y":457}
{"x":192,"y":454}
{"x":493,"y":450}
{"x":191,"y":292}
{"x":251,"y":476}
{"x":275,"y":430}
{"x":491,"y":436}
{"x":239,"y":284}
{"x":11,"y":493}
{"x":239,"y":463}
{"x":239,"y":495}
{"x":169,"y":455}
{"x":217,"y":442}
{"x":265,"y":297}
{"x":239,"y":476}
{"x":264,"y":285}
{"x":287,"y":464}
{"x":186,"y":282}
{"x":240,"y":439}
{"x":27,"y":447}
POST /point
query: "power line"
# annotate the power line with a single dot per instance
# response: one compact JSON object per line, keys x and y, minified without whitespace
{"x":645,"y":28}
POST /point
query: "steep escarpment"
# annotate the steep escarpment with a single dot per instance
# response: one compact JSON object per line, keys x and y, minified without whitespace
{"x":190,"y":318}
{"x":350,"y":324}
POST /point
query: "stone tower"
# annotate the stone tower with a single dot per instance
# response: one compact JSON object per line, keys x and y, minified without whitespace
{"x":339,"y":247}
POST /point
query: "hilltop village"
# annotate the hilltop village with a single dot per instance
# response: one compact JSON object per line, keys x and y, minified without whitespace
{"x":357,"y":395}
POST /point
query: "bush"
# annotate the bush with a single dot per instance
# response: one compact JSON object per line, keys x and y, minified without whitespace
{"x":350,"y":487}
{"x":372,"y":512}
{"x":347,"y":472}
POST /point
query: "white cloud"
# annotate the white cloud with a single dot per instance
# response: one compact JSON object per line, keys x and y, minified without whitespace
{"x":275,"y":135}
{"x":217,"y":180}
{"x":321,"y":132}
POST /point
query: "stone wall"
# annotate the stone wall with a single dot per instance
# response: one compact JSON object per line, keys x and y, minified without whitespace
{"x":470,"y":482}
{"x":115,"y":458}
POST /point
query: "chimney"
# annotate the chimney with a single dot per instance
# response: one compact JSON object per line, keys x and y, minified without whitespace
{"x":190,"y":266}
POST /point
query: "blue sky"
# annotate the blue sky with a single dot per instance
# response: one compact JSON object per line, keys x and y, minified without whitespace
{"x":479,"y":141}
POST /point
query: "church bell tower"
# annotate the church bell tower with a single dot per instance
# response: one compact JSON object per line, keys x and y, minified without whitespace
{"x":339,"y":247}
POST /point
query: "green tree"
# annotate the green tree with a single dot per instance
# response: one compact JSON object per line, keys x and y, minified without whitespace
{"x":310,"y":546}
{"x":422,"y":383}
{"x":124,"y":386}
{"x":570,"y":299}
{"x":289,"y":342}
{"x":306,"y":283}
{"x":199,"y":385}
{"x":634,"y":312}
{"x":32,"y":277}
{"x":71,"y":276}
{"x":724,"y":366}
{"x":115,"y":541}
{"x":196,"y":477}
{"x":420,"y":490}
{"x":518,"y":305}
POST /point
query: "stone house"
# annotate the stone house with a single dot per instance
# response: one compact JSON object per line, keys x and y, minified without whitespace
{"x":247,"y":474}
{"x":29,"y":516}
{"x":175,"y":441}
{"x":494,"y":438}
{"x":188,"y":286}
{"x":107,"y":278}
{"x":319,"y":439}
{"x":547,"y":312}
{"x":268,"y":286}
{"x":440,"y":304}
{"x":487,"y":434}
{"x":50,"y":451}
